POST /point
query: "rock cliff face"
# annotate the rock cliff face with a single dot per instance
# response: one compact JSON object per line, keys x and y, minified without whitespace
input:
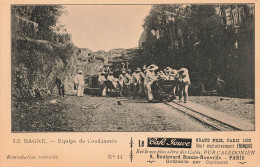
{"x":36,"y":63}
{"x":90,"y":62}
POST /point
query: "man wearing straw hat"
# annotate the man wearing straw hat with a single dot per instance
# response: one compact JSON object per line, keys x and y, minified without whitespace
{"x":142,"y":90}
{"x":137,"y":83}
{"x":111,"y":83}
{"x":173,"y":76}
{"x":102,"y":83}
{"x":79,"y":81}
{"x":184,"y":82}
{"x":124,"y":82}
{"x":150,"y":78}
{"x":167,"y":71}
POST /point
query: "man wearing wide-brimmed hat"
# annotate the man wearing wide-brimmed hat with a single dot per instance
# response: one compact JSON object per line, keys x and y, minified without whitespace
{"x":110,"y":76}
{"x":167,"y":71}
{"x":124,"y":82}
{"x":184,"y":82}
{"x":79,"y":81}
{"x":142,"y":92}
{"x":174,"y":77}
{"x":130,"y":76}
{"x":111,"y":83}
{"x":150,"y":78}
{"x":152,"y":68}
{"x":137,"y":82}
{"x":101,"y":82}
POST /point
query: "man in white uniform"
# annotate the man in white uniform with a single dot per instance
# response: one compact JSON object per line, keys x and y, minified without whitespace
{"x":142,"y":90}
{"x":150,"y":78}
{"x":174,"y":76}
{"x":131,"y":86}
{"x":167,"y":71}
{"x":137,"y":83}
{"x":101,"y":81}
{"x":184,"y":81}
{"x":111,"y":78}
{"x":79,"y":81}
{"x":124,"y":81}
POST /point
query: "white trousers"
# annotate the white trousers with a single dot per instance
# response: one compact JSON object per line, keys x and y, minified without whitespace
{"x":149,"y":90}
{"x":104,"y":91}
{"x":80,"y":90}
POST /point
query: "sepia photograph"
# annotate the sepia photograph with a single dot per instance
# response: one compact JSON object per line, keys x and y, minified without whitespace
{"x":132,"y":67}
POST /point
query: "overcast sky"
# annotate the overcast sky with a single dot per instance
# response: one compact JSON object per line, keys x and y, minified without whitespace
{"x":104,"y":27}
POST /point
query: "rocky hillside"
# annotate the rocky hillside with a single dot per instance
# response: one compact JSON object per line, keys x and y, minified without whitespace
{"x":43,"y":50}
{"x":36,"y":63}
{"x":92,"y":62}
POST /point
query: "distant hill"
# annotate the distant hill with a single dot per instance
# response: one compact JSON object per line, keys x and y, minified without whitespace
{"x":117,"y":51}
{"x":114,"y":57}
{"x":86,"y":49}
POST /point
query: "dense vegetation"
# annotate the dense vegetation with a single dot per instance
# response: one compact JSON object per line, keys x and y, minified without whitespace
{"x":204,"y":40}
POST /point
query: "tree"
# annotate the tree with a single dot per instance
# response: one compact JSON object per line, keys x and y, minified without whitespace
{"x":204,"y":41}
{"x":45,"y":15}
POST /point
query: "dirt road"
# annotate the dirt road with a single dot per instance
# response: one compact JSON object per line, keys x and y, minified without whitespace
{"x":98,"y":114}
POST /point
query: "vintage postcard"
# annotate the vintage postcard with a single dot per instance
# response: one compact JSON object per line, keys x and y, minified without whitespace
{"x":137,"y":83}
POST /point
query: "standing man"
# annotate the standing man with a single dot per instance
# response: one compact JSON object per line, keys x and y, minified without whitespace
{"x":184,"y":82}
{"x":111,"y":84}
{"x":60,"y":87}
{"x":142,"y":90}
{"x":79,"y":81}
{"x":174,"y":76}
{"x":102,"y":83}
{"x":150,"y":78}
{"x":124,"y":82}
{"x":136,"y":82}
{"x":131,"y":86}
{"x":167,"y":71}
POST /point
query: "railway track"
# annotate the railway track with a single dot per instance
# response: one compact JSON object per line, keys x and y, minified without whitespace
{"x":217,"y":124}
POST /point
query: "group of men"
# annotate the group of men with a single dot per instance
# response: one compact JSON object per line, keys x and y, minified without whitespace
{"x":140,"y":82}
